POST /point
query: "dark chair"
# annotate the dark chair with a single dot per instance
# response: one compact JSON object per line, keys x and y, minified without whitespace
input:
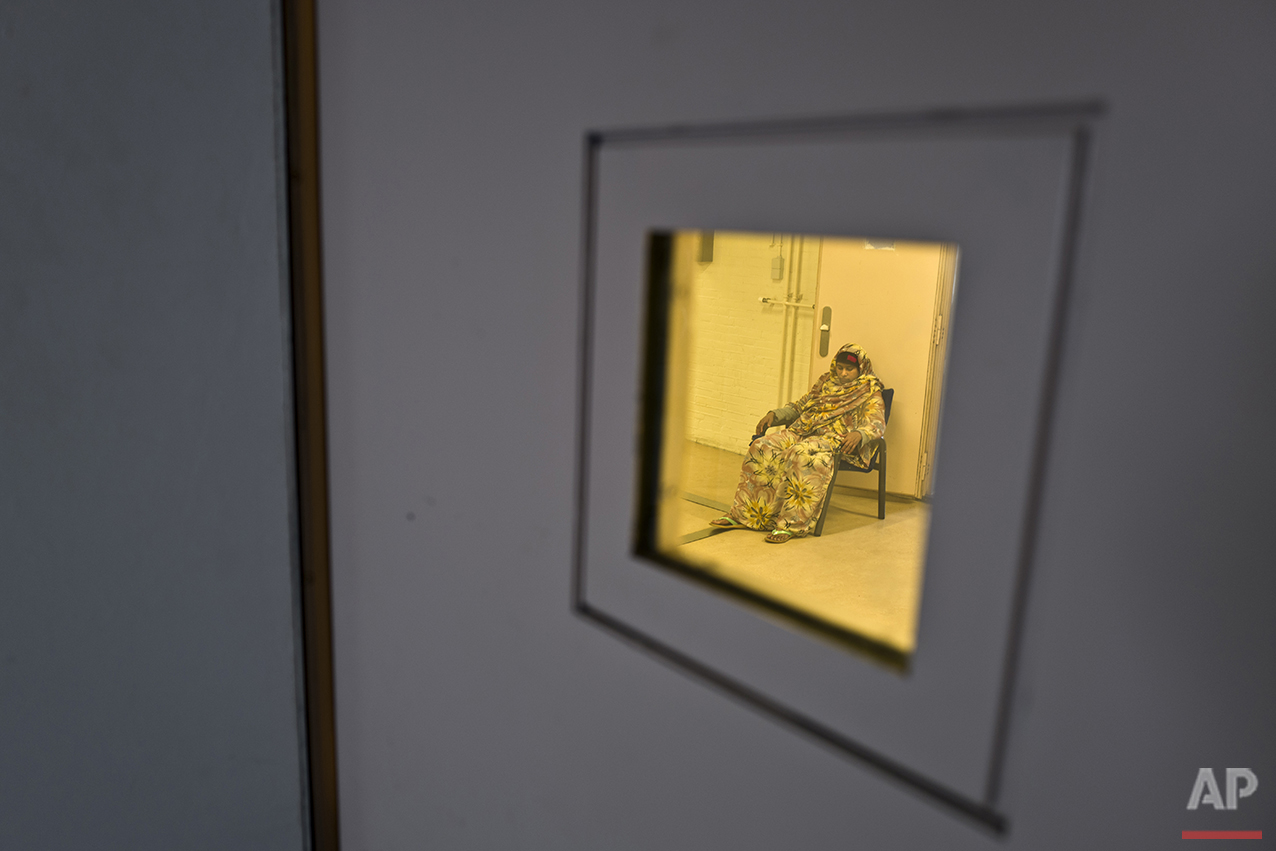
{"x":876,"y":461}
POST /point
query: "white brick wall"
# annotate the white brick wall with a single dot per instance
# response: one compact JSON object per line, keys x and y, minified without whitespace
{"x":748,"y":357}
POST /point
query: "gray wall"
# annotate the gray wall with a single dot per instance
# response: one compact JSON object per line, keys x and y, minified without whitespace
{"x":148,"y":659}
{"x":147,"y":651}
{"x":474,"y":710}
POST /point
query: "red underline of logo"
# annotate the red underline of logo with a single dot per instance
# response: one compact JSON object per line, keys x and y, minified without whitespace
{"x":1222,"y":834}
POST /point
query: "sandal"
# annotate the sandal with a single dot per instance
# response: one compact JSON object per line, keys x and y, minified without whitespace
{"x":779,"y":536}
{"x":725,"y":522}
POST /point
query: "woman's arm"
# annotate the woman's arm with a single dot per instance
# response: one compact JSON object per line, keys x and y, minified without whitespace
{"x":788,"y":414}
{"x":868,"y":421}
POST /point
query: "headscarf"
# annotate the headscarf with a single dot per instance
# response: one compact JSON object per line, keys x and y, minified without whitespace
{"x":830,"y":402}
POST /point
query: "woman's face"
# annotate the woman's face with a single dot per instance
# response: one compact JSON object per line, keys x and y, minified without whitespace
{"x":845,"y":373}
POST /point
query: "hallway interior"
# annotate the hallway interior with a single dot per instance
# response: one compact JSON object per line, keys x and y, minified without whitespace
{"x":862,"y":574}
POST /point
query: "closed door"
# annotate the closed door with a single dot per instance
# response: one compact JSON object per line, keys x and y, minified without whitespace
{"x":477,"y":708}
{"x":883,"y":295}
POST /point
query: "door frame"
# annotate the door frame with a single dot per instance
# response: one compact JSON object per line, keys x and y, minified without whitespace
{"x":1073,"y":125}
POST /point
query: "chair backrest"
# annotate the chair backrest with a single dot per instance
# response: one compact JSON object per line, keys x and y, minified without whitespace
{"x":888,"y":393}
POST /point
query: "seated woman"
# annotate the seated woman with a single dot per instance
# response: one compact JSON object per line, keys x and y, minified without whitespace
{"x":786,"y":473}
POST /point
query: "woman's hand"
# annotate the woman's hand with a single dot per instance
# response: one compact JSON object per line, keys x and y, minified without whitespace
{"x":851,"y":442}
{"x":764,"y":424}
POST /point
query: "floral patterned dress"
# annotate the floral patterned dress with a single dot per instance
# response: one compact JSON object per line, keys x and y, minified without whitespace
{"x":787,"y":471}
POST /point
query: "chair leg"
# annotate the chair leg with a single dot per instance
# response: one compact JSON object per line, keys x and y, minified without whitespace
{"x":828,"y":497}
{"x":881,"y":484}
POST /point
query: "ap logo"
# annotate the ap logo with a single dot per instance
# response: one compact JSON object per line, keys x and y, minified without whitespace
{"x":1205,"y":790}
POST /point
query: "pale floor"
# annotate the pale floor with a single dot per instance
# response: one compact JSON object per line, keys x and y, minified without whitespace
{"x":862,"y":574}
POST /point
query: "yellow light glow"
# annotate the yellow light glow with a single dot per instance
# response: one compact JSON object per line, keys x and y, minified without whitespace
{"x":741,"y":341}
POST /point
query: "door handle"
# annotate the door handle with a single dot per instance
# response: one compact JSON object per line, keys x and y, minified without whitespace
{"x":826,"y":319}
